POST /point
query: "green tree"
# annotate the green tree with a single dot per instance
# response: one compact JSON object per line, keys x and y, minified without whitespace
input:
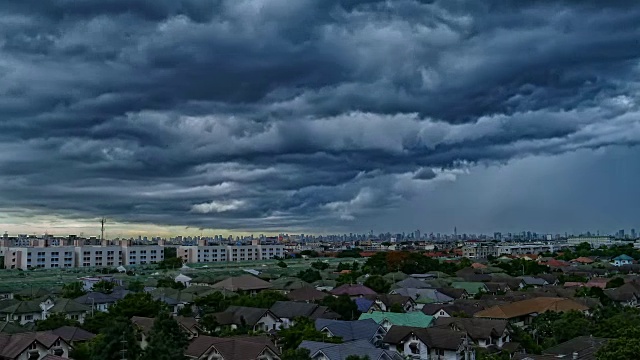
{"x":303,"y":329}
{"x":343,"y":266}
{"x":378,"y":284}
{"x":319,"y":265}
{"x":282,"y":264}
{"x":296,"y":354}
{"x":97,"y":322}
{"x":81,"y":351}
{"x":103,"y":286}
{"x":310,"y":253}
{"x":119,"y":335}
{"x":54,"y":321}
{"x":170,"y":263}
{"x":343,"y":306}
{"x":166,"y":340}
{"x":135,"y":286}
{"x":214,"y":302}
{"x":136,"y":304}
{"x":620,"y":349}
{"x":168,"y":282}
{"x":396,"y":308}
{"x":309,"y":275}
{"x":615,"y":282}
{"x":72,"y":290}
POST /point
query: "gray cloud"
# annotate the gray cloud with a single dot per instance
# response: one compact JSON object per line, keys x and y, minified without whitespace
{"x":250,"y":114}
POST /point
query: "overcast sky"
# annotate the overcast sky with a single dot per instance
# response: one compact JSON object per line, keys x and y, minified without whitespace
{"x":319,"y":116}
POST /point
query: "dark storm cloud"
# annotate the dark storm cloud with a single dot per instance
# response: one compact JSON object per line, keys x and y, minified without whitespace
{"x":270,"y":114}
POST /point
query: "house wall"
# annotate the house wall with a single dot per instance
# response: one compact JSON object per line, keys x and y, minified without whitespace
{"x":268,"y":322}
{"x":43,"y":351}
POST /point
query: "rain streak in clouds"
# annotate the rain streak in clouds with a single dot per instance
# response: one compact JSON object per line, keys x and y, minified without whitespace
{"x":306,"y":114}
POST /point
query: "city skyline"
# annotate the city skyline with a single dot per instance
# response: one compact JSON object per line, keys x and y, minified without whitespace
{"x":333,"y":116}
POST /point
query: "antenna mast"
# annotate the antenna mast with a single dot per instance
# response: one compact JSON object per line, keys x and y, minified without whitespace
{"x":102,"y":221}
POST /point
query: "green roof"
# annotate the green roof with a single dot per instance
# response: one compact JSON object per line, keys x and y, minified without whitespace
{"x":415,"y":318}
{"x":472,"y":288}
{"x":11,"y":328}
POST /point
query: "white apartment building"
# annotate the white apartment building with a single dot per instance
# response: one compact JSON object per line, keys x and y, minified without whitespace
{"x":594,"y":241}
{"x":197,"y":254}
{"x":98,"y":256}
{"x":141,"y":254}
{"x":220,"y":253}
{"x":39,"y":257}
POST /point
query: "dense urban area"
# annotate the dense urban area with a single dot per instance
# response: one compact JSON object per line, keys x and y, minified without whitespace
{"x":518,"y":296}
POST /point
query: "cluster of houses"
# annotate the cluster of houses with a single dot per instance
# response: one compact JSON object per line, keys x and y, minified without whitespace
{"x":422,"y":316}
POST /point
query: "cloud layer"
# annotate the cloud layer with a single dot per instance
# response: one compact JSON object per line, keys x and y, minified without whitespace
{"x":307,"y":114}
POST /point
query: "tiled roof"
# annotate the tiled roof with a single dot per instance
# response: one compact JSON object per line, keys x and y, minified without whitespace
{"x":12,"y":345}
{"x":144,"y":323}
{"x":72,"y":334}
{"x":363,"y":304}
{"x":411,"y":283}
{"x":352,"y":290}
{"x":307,"y":293}
{"x":292,"y":309}
{"x":95,"y":298}
{"x":342,"y":351}
{"x":525,"y":307}
{"x":243,"y":282}
{"x":66,"y":306}
{"x":231,"y":348}
{"x":22,"y":307}
{"x":432,"y":337}
{"x":236,"y":314}
{"x":288,"y":283}
{"x":416,"y":319}
{"x":424,"y":296}
{"x":11,"y":328}
{"x":350,"y":330}
{"x":470,"y":287}
{"x":477,"y":328}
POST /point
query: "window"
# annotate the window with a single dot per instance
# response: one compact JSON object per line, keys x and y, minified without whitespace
{"x":28,"y":317}
{"x":33,"y":346}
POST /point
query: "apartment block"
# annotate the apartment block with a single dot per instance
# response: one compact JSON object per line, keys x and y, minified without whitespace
{"x":98,"y":256}
{"x":40,"y":257}
{"x":141,"y":254}
{"x":219,"y":253}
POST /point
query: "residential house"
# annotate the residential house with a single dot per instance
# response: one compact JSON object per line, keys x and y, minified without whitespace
{"x":450,"y":310}
{"x":247,"y":283}
{"x":496,"y":288}
{"x":388,"y":319}
{"x":482,"y":332}
{"x":32,"y":345}
{"x":521,"y":313}
{"x":410,"y":282}
{"x":366,"y":329}
{"x":384,"y":302}
{"x":21,"y":312}
{"x":365,"y":305}
{"x":97,"y":301}
{"x":11,"y":328}
{"x":329,"y":351}
{"x":143,"y":326}
{"x":287,"y":311}
{"x":530,"y":281}
{"x":352,"y":290}
{"x":73,"y":335}
{"x":232,"y":348}
{"x":579,"y":348}
{"x":622,"y":260}
{"x":255,"y":318}
{"x":426,"y":344}
{"x":72,"y":309}
{"x":471,"y":288}
{"x":189,"y":325}
{"x":454,"y":293}
{"x":183,"y":279}
{"x":307,"y":294}
{"x":626,"y":295}
{"x":287,"y":284}
{"x":423,"y":296}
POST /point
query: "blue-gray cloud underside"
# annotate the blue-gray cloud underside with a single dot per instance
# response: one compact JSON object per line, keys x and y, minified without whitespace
{"x":306,"y":114}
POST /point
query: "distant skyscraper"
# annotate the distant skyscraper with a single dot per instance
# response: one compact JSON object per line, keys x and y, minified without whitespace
{"x":621,"y":233}
{"x":633,"y":234}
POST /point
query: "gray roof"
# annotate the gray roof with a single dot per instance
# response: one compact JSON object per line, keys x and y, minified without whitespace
{"x":342,"y":351}
{"x":432,"y":337}
{"x":477,"y":328}
{"x":411,"y":283}
{"x":422,"y":295}
{"x":350,"y":330}
{"x":235,"y":315}
{"x":530,"y":280}
{"x":244,"y":282}
{"x":96,"y":298}
{"x":292,"y":309}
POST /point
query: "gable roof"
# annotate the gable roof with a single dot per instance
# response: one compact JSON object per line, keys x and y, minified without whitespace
{"x":236,"y":315}
{"x":451,"y":309}
{"x":11,"y":328}
{"x":307,"y":293}
{"x":454,"y":293}
{"x":144,"y":323}
{"x":363,"y":304}
{"x":288,"y":283}
{"x":424,"y":296}
{"x":231,"y":348}
{"x":350,"y":330}
{"x":432,"y":337}
{"x":22,"y":307}
{"x":623,"y":257}
{"x":342,"y":351}
{"x":411,"y":282}
{"x":95,"y":298}
{"x":416,"y":319}
{"x":13,"y":345}
{"x":352,"y":290}
{"x":71,"y":334}
{"x":292,"y":309}
{"x":68,"y":306}
{"x":585,"y":346}
{"x":477,"y":328}
{"x":243,"y":283}
{"x":525,"y":307}
{"x":469,"y":286}
{"x":531,"y":280}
